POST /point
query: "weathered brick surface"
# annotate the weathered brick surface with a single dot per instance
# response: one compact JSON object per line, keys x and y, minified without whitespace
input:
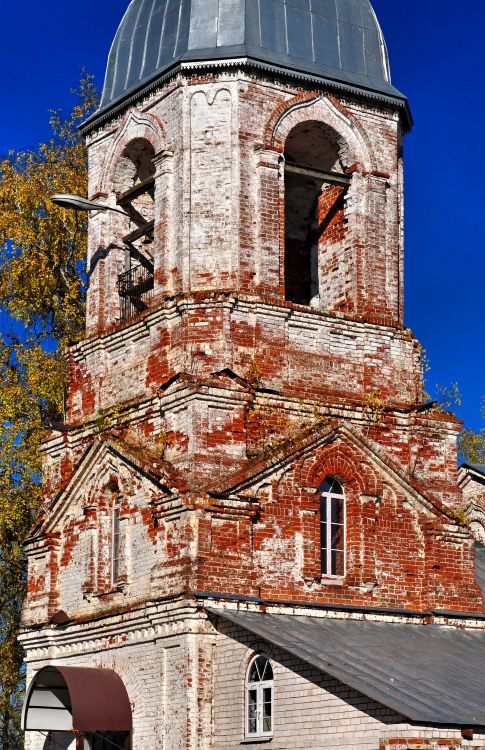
{"x":472,"y":484}
{"x":159,"y":653}
{"x":220,"y":220}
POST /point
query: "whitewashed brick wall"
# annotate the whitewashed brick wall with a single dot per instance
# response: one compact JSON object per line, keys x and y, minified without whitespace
{"x":312,"y":710}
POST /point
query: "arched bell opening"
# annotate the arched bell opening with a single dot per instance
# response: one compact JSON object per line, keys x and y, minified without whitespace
{"x":134,"y":186}
{"x":316,"y":186}
{"x":78,"y":702}
{"x":134,"y":180}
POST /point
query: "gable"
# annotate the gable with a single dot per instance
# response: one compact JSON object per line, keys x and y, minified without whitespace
{"x":356,"y":452}
{"x":109,"y":467}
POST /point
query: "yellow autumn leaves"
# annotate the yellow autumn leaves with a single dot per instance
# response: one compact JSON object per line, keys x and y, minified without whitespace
{"x":42,"y":256}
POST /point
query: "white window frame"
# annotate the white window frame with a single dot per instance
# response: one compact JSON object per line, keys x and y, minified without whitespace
{"x":328,"y":497}
{"x":115,"y":541}
{"x":259,"y":687}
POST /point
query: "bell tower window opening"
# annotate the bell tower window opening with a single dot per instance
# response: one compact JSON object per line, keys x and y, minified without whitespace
{"x":135,"y":194}
{"x":259,"y":698}
{"x":332,"y":528}
{"x":315,"y":191}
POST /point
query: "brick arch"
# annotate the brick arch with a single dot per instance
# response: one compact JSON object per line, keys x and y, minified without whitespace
{"x":476,"y":522}
{"x":255,"y":647}
{"x":269,"y":137}
{"x":477,"y":530}
{"x":107,"y":470}
{"x":326,"y":109}
{"x":136,"y":125}
{"x":342,"y":462}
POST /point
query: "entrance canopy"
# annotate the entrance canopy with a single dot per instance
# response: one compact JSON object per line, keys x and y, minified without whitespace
{"x":77,"y":699}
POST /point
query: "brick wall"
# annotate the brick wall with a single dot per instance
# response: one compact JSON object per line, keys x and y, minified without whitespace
{"x":163,"y":655}
{"x":312,"y":710}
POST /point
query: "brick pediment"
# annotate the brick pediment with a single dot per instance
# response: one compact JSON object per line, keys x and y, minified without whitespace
{"x":331,"y":449}
{"x":111,"y":466}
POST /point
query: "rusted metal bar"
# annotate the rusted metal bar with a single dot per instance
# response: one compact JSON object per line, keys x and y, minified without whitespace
{"x":134,"y":192}
{"x":334,"y":177}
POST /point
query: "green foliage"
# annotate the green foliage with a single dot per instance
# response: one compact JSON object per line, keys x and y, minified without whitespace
{"x":42,"y":257}
{"x":449,"y":397}
{"x":472,"y":444}
{"x":42,"y":246}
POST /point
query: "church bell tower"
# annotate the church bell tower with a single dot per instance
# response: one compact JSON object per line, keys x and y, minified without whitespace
{"x":246,"y":421}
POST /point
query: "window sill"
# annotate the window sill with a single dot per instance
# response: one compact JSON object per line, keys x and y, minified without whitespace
{"x":255,"y":740}
{"x":325,"y":581}
{"x":118,"y":589}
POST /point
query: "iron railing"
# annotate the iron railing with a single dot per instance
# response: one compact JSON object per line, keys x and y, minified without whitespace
{"x":135,"y":288}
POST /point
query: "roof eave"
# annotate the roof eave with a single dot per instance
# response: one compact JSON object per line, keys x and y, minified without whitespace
{"x":386,"y":94}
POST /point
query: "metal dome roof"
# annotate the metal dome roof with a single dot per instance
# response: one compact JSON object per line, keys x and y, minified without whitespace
{"x":336,"y":40}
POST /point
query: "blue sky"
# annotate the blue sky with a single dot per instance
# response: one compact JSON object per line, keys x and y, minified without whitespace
{"x":437,"y":59}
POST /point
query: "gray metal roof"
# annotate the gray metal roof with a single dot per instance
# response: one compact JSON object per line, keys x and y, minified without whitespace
{"x":478,"y":467}
{"x":338,"y":40}
{"x":426,"y":673}
{"x":480,"y":566}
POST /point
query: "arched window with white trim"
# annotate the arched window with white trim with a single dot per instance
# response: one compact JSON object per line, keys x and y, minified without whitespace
{"x":332,"y":528}
{"x":115,"y":541}
{"x":259,"y":698}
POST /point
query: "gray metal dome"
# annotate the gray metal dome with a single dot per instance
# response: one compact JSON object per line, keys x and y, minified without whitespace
{"x":336,"y":40}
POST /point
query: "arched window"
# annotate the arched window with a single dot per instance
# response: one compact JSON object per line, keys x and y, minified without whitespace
{"x":116,"y":542}
{"x":315,"y":191}
{"x":135,"y":195}
{"x":259,"y":698}
{"x":332,"y":528}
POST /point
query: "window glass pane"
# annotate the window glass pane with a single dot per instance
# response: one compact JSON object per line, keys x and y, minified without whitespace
{"x":331,"y":486}
{"x":115,"y":542}
{"x":338,"y":563}
{"x":260,"y":670}
{"x":332,"y":511}
{"x":268,"y":670}
{"x":267,"y":709}
{"x":323,"y":533}
{"x":324,"y":562}
{"x":323,"y":522}
{"x":253,"y":673}
{"x":259,"y":697}
{"x":266,"y":723}
{"x":337,"y":537}
{"x":337,"y":510}
{"x":252,"y":711}
{"x":261,"y":665}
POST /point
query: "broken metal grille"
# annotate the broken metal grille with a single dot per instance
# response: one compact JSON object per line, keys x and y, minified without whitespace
{"x":135,"y":288}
